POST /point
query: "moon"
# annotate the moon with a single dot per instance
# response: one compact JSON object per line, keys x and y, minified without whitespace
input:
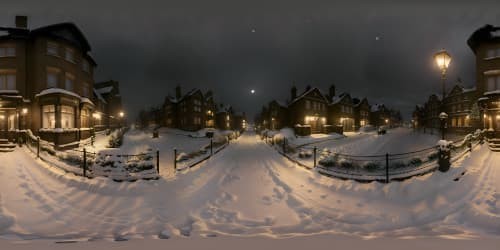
{"x":252,"y":91}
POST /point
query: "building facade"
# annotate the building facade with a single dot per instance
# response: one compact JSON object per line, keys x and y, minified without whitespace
{"x":308,"y":112}
{"x":485,"y":43}
{"x":361,"y":112}
{"x":109,"y":112}
{"x":46,"y":82}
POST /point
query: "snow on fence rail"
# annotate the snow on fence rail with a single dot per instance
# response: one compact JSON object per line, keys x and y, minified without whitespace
{"x":382,"y":167}
{"x":107,"y":163}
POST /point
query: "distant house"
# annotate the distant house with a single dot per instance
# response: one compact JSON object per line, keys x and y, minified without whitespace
{"x":308,"y":111}
{"x":224,"y":117}
{"x":361,"y":112}
{"x":239,"y":121}
{"x":432,"y":109}
{"x":341,"y":112}
{"x":112,"y":112}
{"x":458,"y":104}
{"x":380,"y":115}
{"x":275,"y":115}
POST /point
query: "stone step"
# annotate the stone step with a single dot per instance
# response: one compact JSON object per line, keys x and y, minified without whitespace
{"x":8,"y":145}
{"x":4,"y":141}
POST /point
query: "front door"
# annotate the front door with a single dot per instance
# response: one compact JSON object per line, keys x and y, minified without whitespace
{"x":3,"y":125}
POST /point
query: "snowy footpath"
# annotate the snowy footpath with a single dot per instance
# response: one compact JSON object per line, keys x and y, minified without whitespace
{"x":247,"y":190}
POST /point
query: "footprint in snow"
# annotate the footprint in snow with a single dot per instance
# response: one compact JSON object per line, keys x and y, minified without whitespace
{"x":323,"y":196}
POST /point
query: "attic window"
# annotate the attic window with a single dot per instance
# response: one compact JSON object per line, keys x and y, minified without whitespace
{"x":69,"y":55}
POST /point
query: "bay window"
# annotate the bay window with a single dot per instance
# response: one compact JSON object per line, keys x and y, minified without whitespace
{"x":69,"y":82}
{"x":69,"y":55}
{"x":49,"y":116}
{"x":67,"y":117}
{"x":84,"y":119}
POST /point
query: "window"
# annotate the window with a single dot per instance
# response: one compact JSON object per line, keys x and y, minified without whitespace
{"x":52,"y":77}
{"x":69,"y":55}
{"x":12,"y":122}
{"x":308,"y":104}
{"x":493,"y":83}
{"x":86,"y":89}
{"x":52,"y":49}
{"x":8,"y":51}
{"x":7,"y":79}
{"x":492,"y":53}
{"x":67,"y":117}
{"x":84,"y":118}
{"x":49,"y":116}
{"x":85,"y":66}
{"x":69,"y":82}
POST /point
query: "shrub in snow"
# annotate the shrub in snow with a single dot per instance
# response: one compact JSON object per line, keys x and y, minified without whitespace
{"x":397,"y":164}
{"x":372,"y":166}
{"x":328,"y":160}
{"x":433,"y":156}
{"x":304,"y":153}
{"x":345,"y":163}
{"x":416,"y":161}
{"x":116,"y":138}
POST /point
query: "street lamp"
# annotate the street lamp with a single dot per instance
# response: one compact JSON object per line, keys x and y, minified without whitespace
{"x":443,"y":60}
{"x":443,"y":116}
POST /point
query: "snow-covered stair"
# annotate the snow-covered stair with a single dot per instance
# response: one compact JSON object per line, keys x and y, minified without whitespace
{"x":6,"y":146}
{"x":494,"y":144}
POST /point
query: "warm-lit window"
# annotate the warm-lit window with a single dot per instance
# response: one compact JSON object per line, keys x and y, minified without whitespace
{"x":12,"y":122}
{"x":67,"y":117}
{"x":7,"y":79}
{"x":84,"y":119}
{"x":69,"y":55}
{"x":7,"y":51}
{"x":52,"y":77}
{"x":52,"y":49}
{"x":69,"y":82}
{"x":49,"y":116}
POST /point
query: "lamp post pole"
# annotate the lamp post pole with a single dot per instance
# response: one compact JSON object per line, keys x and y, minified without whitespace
{"x":443,"y":59}
{"x":443,"y":80}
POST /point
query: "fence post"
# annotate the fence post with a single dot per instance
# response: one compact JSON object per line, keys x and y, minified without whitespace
{"x":38,"y":147}
{"x":175,"y":159}
{"x":158,"y":161}
{"x":84,"y":162}
{"x":315,"y":156}
{"x":387,"y":168}
{"x":211,"y":147}
{"x":284,"y":145}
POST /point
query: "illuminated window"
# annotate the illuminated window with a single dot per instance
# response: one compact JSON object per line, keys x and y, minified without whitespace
{"x":49,"y":116}
{"x":67,"y":117}
{"x":84,"y":119}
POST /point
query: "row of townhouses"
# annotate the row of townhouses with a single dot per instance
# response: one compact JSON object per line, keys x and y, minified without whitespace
{"x":47,"y":85}
{"x":315,"y":112}
{"x":473,"y":107}
{"x":196,"y":110}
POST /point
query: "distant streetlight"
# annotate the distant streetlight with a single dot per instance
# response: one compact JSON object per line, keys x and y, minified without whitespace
{"x":122,"y":114}
{"x":443,"y":116}
{"x":443,"y":60}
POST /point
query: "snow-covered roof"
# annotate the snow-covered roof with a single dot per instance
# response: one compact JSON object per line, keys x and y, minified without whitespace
{"x":99,"y":96}
{"x":376,"y":107}
{"x":104,"y":90}
{"x":8,"y":91}
{"x":57,"y":91}
{"x":469,"y":89}
{"x":86,"y":100}
{"x":492,"y":92}
{"x":337,"y":99}
{"x":307,"y":92}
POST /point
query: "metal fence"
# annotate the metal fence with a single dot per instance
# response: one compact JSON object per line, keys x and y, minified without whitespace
{"x":379,"y":167}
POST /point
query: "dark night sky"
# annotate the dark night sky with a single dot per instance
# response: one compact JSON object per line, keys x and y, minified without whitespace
{"x":151,"y":46}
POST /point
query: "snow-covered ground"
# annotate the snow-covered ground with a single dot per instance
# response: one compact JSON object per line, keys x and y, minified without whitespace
{"x":247,"y":190}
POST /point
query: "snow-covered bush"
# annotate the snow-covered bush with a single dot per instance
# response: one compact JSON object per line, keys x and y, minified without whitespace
{"x":305,"y":153}
{"x":416,"y":161}
{"x":372,"y":166}
{"x":328,"y":160}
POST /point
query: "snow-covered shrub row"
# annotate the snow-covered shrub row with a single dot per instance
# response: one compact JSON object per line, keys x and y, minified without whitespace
{"x":124,"y":167}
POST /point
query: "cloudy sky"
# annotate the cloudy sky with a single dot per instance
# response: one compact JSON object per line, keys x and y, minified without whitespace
{"x":379,"y":49}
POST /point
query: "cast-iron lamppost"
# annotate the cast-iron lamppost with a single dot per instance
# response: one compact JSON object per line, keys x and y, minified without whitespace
{"x":443,"y":60}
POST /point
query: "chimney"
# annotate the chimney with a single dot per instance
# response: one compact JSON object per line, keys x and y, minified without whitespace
{"x":294,"y":93}
{"x":178,"y":92}
{"x":22,"y":22}
{"x":331,"y":92}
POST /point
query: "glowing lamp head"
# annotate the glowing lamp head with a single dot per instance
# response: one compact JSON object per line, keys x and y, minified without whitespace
{"x":24,"y":111}
{"x":121,"y":114}
{"x":442,"y":59}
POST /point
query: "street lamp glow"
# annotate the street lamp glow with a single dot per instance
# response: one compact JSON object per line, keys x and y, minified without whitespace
{"x":24,"y":111}
{"x":122,"y":114}
{"x":443,"y":60}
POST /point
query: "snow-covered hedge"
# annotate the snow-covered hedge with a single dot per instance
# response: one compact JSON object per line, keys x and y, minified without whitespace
{"x":110,"y":163}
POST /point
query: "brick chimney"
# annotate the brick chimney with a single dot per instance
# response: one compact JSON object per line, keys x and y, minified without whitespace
{"x":22,"y":22}
{"x":331,"y":92}
{"x":294,"y":93}
{"x":178,"y":93}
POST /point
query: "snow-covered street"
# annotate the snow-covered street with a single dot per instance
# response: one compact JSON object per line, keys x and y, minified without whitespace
{"x":247,"y":189}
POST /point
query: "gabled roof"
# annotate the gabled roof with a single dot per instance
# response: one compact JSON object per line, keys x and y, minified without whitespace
{"x":99,"y":96}
{"x":190,"y":93}
{"x":337,"y":99}
{"x":306,"y":93}
{"x":104,"y":90}
{"x":485,"y":34}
